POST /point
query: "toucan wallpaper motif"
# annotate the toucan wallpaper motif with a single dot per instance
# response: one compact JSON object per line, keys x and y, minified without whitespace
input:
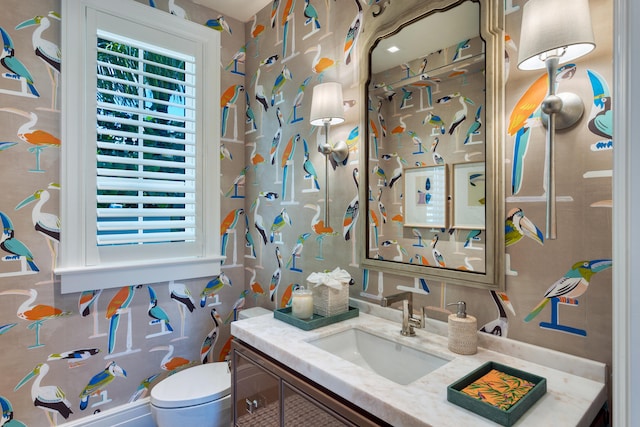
{"x":66,"y":357}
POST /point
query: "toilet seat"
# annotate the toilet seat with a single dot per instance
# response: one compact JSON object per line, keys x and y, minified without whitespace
{"x":193,"y":386}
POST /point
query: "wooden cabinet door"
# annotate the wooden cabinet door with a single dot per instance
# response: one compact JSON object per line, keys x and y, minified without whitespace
{"x":256,"y":394}
{"x":266,"y":393}
{"x":299,"y":409}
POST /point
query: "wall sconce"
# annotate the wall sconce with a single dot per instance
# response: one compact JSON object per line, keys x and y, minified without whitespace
{"x":554,"y":32}
{"x":326,"y":110}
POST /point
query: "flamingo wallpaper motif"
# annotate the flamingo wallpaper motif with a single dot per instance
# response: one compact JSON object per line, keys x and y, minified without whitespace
{"x":96,"y":350}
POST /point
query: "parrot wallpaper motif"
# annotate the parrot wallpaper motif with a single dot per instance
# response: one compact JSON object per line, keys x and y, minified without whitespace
{"x":69,"y":356}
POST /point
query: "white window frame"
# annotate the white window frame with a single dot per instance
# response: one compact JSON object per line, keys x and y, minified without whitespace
{"x":82,"y":264}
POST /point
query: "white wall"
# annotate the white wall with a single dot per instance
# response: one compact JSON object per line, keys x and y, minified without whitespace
{"x":626,"y":228}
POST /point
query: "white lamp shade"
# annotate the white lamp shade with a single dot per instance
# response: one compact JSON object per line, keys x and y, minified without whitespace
{"x":548,"y":25}
{"x":326,"y":104}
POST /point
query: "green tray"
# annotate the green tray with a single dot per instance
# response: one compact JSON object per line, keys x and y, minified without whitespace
{"x":316,"y":320}
{"x":505,"y":418}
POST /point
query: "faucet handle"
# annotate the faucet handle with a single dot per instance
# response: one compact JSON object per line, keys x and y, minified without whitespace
{"x":417,"y":322}
{"x":414,"y":322}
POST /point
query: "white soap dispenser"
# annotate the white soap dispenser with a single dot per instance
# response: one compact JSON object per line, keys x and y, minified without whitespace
{"x":463,"y":331}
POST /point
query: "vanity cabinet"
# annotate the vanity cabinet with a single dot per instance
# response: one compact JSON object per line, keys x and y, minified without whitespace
{"x":265,"y":393}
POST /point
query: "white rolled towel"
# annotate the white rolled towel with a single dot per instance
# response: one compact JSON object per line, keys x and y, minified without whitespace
{"x":334,"y":279}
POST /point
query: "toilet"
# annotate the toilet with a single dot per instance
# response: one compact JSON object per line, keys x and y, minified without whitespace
{"x":197,"y":396}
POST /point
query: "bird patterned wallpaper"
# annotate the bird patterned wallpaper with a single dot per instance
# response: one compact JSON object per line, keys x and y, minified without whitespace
{"x":70,"y":356}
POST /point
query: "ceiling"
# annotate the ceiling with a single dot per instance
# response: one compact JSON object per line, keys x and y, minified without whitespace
{"x":242,"y":10}
{"x":433,"y":32}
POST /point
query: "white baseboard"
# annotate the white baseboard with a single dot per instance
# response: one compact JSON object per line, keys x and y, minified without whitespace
{"x":135,"y":414}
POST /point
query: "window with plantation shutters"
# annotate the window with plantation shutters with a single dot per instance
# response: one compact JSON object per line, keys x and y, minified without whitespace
{"x":140,"y":166}
{"x":146,"y":149}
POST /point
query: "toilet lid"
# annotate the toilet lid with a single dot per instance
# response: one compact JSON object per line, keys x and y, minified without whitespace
{"x":193,"y":386}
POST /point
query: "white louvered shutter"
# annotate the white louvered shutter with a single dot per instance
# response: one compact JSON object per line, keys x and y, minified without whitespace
{"x":145,"y":148}
{"x":140,"y":165}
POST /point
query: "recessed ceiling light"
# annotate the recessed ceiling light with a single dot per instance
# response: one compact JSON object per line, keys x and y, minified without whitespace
{"x":393,"y":49}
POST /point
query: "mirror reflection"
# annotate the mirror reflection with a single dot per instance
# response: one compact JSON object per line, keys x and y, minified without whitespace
{"x":426,"y":151}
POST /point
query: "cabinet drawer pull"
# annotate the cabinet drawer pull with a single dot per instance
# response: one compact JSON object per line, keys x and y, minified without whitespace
{"x":252,"y":405}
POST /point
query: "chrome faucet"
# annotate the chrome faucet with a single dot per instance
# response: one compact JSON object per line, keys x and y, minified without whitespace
{"x":408,"y":321}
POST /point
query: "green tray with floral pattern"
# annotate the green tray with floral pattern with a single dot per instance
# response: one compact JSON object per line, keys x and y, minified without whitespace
{"x":501,"y":416}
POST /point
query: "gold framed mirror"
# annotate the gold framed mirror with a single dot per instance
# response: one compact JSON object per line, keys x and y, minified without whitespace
{"x":432,"y":103}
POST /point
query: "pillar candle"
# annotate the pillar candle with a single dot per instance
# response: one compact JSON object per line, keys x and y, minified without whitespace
{"x":302,"y":304}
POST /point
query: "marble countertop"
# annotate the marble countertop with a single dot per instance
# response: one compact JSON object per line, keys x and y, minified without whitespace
{"x":575,"y":386}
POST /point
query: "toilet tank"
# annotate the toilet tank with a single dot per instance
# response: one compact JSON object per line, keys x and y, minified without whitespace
{"x":253,"y":312}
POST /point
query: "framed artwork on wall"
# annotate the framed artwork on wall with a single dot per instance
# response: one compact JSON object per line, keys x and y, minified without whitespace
{"x":425,"y":196}
{"x":468,"y":197}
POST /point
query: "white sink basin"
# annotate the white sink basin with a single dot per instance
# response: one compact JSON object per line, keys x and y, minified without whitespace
{"x":394,"y":361}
